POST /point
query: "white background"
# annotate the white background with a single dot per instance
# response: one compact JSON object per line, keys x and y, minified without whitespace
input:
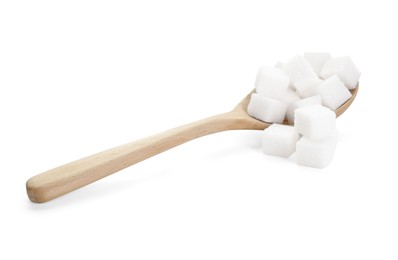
{"x":78,"y":77}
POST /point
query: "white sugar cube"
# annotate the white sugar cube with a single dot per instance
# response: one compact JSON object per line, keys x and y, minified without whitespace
{"x":344,"y":68}
{"x":317,"y":60}
{"x":266,"y":109}
{"x":310,"y":101}
{"x":279,"y":140}
{"x":281,"y":65}
{"x":315,"y":122}
{"x":271,"y":82}
{"x":333,"y":92}
{"x":300,"y":73}
{"x":316,"y":153}
{"x":290,"y":96}
{"x":311,"y":88}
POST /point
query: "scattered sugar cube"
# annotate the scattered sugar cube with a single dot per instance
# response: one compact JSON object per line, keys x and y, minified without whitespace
{"x":344,"y":68}
{"x":279,"y":140}
{"x":310,"y":101}
{"x":271,"y":82}
{"x":315,"y":122}
{"x":316,"y":153}
{"x":266,"y":109}
{"x":306,"y":90}
{"x":333,"y":92}
{"x":300,"y":73}
{"x":317,"y":60}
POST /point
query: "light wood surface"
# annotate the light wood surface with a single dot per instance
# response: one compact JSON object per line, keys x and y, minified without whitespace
{"x":64,"y":179}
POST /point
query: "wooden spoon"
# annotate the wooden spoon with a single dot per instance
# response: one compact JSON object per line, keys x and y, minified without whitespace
{"x":66,"y":178}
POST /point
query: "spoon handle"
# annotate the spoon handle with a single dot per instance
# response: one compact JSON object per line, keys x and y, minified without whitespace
{"x":69,"y":177}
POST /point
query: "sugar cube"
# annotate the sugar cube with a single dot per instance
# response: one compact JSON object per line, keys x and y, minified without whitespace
{"x":316,"y":153}
{"x":316,"y":60}
{"x":315,"y":122}
{"x":344,"y":68}
{"x":300,"y":73}
{"x":306,"y":91}
{"x":290,"y":96}
{"x":311,"y":88}
{"x":333,"y":92}
{"x":279,"y":140}
{"x":314,"y":100}
{"x":271,"y":82}
{"x":266,"y":109}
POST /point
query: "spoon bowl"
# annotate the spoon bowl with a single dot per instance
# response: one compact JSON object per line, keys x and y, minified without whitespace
{"x":69,"y":177}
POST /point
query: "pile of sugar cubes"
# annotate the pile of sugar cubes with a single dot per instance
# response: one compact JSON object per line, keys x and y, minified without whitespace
{"x":304,"y":93}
